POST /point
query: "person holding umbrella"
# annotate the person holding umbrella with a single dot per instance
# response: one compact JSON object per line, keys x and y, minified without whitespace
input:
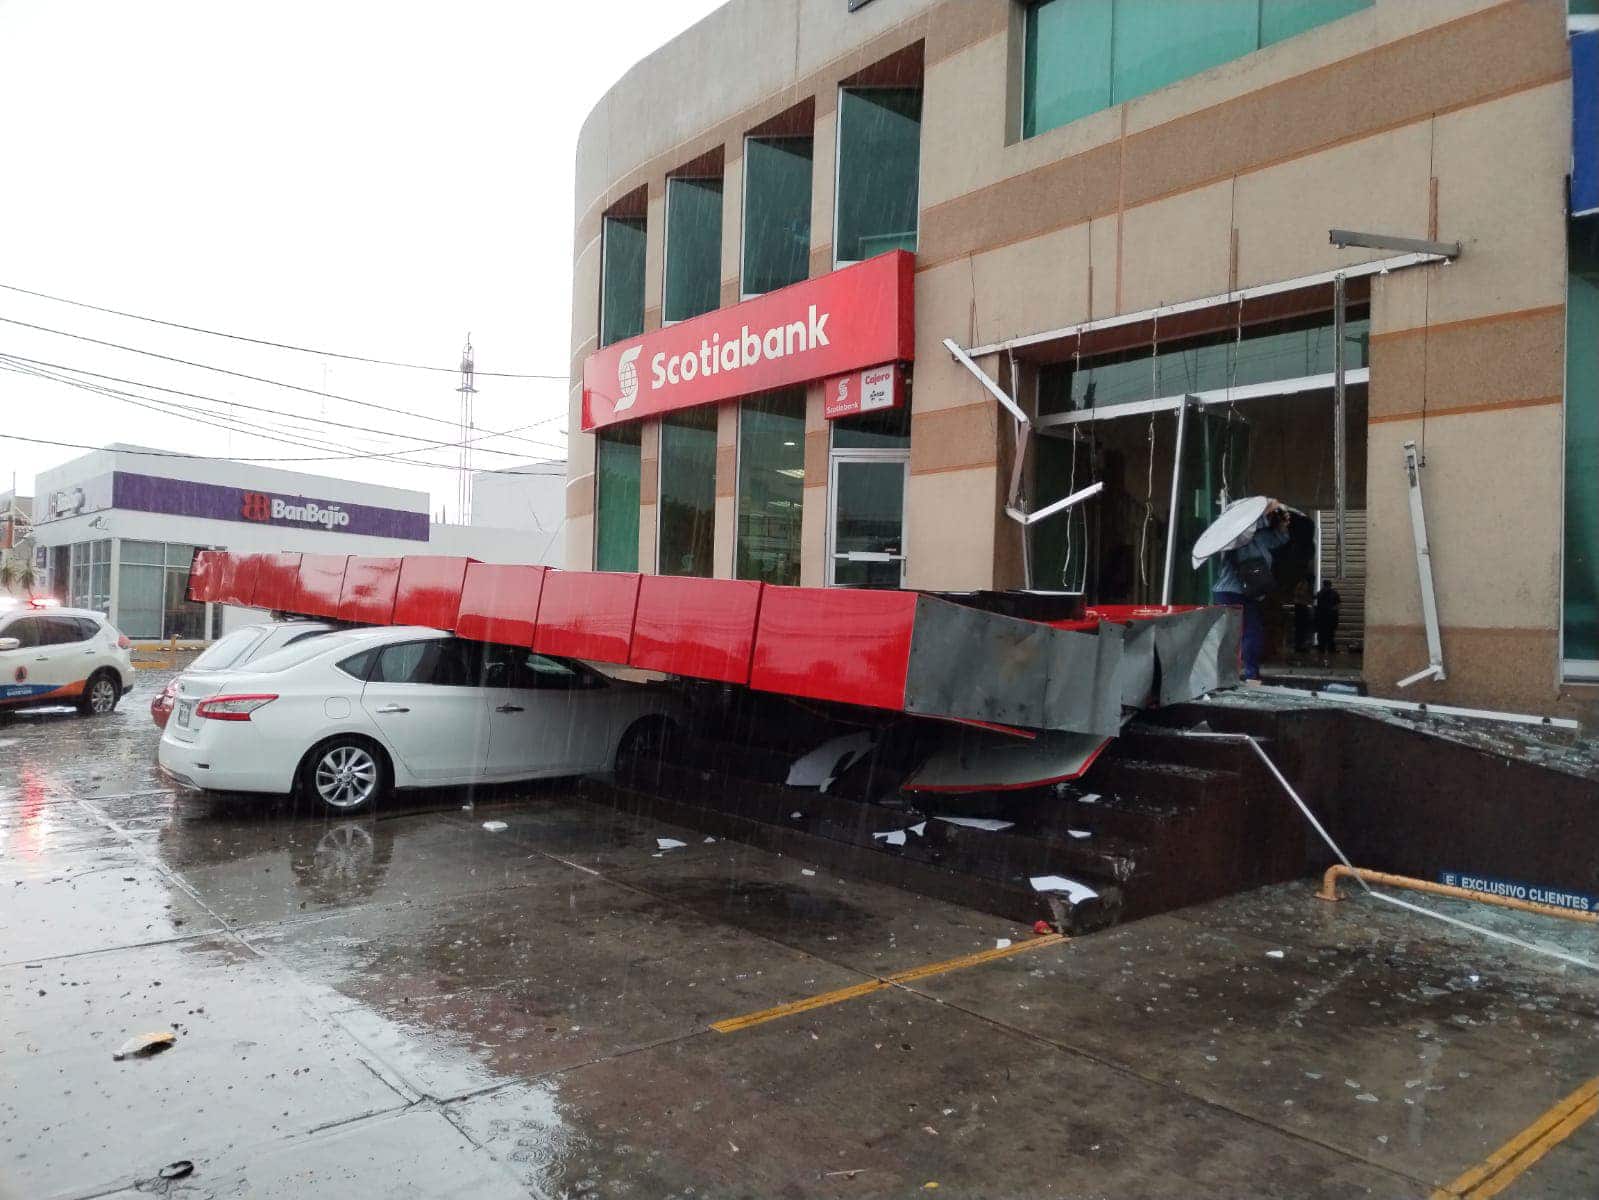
{"x":1244,"y":574}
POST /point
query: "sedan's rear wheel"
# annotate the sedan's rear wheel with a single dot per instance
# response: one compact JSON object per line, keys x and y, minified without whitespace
{"x":345,"y":774}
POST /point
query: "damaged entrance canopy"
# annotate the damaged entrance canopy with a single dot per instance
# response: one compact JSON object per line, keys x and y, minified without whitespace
{"x":953,"y":657}
{"x":1234,"y":528}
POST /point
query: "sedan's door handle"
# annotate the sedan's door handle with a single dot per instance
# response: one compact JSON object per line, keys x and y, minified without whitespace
{"x":393,"y":708}
{"x":510,"y":708}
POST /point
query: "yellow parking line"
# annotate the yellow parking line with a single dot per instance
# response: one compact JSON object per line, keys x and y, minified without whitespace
{"x":1504,"y":1165}
{"x":734,"y":1024}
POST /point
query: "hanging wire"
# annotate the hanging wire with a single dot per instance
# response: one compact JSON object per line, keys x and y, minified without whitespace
{"x":1071,"y":488}
{"x":1149,"y":491}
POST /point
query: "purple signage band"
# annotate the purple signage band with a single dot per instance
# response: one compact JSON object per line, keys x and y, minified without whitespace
{"x":217,"y":502}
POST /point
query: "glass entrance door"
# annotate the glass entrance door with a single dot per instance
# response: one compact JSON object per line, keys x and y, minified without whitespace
{"x":866,"y":521}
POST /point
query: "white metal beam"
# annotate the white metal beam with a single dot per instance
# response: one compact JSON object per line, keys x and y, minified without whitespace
{"x":1379,"y":266}
{"x":1252,"y":391}
{"x":1429,"y":597}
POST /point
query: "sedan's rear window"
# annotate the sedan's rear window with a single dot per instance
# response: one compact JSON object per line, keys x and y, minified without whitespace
{"x":299,"y":652}
{"x":223,"y":653}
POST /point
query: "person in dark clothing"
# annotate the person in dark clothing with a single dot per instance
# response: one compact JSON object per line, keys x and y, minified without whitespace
{"x":1271,"y":532}
{"x":1304,"y":598}
{"x":1327,"y":602}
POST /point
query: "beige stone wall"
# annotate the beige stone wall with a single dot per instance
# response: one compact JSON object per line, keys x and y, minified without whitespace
{"x":1418,"y":117}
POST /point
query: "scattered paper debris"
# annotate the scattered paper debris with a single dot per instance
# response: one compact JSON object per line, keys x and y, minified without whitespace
{"x":1274,"y":954}
{"x":999,"y":944}
{"x":806,"y":871}
{"x":181,"y":1169}
{"x":1075,"y":892}
{"x":1091,"y":798}
{"x":669,"y":844}
{"x":796,"y":815}
{"x":1367,"y":1097}
{"x":710,"y":841}
{"x":893,"y":837}
{"x":919,"y":829}
{"x":145,"y":1044}
{"x":495,"y":826}
{"x":988,"y":824}
{"x":1079,"y":833}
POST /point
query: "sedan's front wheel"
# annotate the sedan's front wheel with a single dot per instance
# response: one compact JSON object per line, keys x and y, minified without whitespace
{"x":345,"y":774}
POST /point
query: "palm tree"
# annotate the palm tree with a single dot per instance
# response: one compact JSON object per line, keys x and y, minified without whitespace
{"x":18,"y":575}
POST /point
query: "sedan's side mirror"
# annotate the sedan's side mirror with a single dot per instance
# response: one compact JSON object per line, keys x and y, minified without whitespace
{"x":9,"y":644}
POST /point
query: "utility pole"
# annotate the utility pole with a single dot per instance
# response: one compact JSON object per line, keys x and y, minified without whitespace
{"x":468,"y":388}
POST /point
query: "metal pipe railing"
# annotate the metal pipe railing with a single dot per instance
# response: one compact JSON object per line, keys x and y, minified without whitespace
{"x":1329,"y":891}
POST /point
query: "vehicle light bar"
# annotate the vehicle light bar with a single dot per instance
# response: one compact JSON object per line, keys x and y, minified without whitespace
{"x":231,"y":708}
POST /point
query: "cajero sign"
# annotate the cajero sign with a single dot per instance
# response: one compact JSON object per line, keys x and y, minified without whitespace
{"x":856,"y":317}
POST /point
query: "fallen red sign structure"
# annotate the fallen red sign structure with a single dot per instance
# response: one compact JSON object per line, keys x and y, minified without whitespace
{"x":939,"y":656}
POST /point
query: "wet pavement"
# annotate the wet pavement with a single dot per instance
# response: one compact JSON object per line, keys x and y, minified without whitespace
{"x":413,"y":1005}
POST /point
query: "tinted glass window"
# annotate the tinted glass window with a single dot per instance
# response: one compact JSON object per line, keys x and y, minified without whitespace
{"x":519,"y":667}
{"x":26,"y":631}
{"x":358,"y":666}
{"x":777,"y":212}
{"x":59,"y":631}
{"x":688,"y":492}
{"x":616,"y":498}
{"x":88,"y":628}
{"x":1085,"y":55}
{"x":443,"y":663}
{"x":622,"y":279}
{"x":693,"y":247}
{"x":229,"y":650}
{"x":771,"y":486}
{"x":879,"y":156}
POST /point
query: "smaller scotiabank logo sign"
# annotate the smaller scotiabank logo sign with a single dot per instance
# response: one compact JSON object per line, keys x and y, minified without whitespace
{"x":257,"y":507}
{"x":871,"y":390}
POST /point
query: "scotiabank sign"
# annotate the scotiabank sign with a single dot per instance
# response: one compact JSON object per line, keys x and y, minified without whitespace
{"x":857,"y":317}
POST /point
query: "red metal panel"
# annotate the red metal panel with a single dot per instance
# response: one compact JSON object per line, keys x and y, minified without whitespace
{"x":236,"y":578}
{"x":206,"y":570}
{"x":430,"y":590}
{"x":321,"y":581}
{"x":277,"y":582}
{"x":500,"y":603}
{"x":835,"y":644}
{"x":702,"y":628}
{"x":587,"y":614}
{"x":369,"y":589}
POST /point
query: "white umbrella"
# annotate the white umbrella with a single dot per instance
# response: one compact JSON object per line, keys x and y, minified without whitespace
{"x":1232,"y":529}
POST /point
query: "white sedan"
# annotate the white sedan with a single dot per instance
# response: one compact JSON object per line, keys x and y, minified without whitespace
{"x":346,"y":716}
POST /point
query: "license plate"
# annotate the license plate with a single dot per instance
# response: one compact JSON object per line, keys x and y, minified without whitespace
{"x":185,"y":707}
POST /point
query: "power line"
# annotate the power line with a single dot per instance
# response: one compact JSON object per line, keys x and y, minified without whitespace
{"x":427,"y":444}
{"x":236,"y":337}
{"x":248,"y":428}
{"x":294,"y":387}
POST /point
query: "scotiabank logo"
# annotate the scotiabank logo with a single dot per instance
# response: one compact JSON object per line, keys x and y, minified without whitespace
{"x":627,"y":378}
{"x":258,"y":506}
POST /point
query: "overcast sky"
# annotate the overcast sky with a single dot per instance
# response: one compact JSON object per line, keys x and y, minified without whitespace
{"x":374,"y":177}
